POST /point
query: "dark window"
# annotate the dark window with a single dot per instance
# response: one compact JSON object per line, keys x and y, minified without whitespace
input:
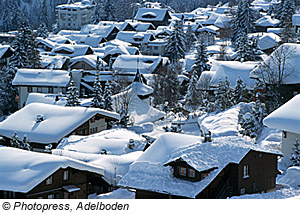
{"x":39,"y":89}
{"x":50,"y":90}
{"x":284,"y":134}
{"x":29,"y":89}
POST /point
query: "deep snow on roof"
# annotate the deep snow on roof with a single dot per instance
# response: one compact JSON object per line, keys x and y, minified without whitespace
{"x":291,"y":74}
{"x":234,"y":69}
{"x":149,"y":172}
{"x":89,"y":59}
{"x":41,"y":77}
{"x":58,"y":121}
{"x":3,"y":49}
{"x":31,"y":168}
{"x":151,"y":14}
{"x":286,"y":117}
{"x":267,"y":21}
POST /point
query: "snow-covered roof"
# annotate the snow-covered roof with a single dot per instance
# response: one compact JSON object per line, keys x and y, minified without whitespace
{"x":140,"y":89}
{"x":291,"y":75}
{"x":151,"y":14}
{"x":85,"y":4}
{"x":234,"y":69}
{"x":149,"y":172}
{"x":132,"y":63}
{"x":103,"y":31}
{"x":60,"y":39}
{"x":268,"y":40}
{"x":46,"y":42}
{"x":31,"y":168}
{"x":267,"y":21}
{"x":286,"y":117}
{"x":58,"y":121}
{"x":135,"y":37}
{"x":92,"y":40}
{"x":41,"y":77}
{"x":89,"y":59}
{"x":3,"y":49}
{"x":46,"y":99}
{"x":222,"y":21}
{"x":296,"y":19}
{"x":53,"y":62}
{"x":211,"y":28}
{"x":73,"y":50}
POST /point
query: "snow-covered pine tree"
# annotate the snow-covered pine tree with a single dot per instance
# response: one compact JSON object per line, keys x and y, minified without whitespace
{"x":24,"y":144}
{"x":97,"y":16}
{"x":97,"y":101}
{"x":175,"y":48}
{"x":15,"y":141}
{"x":243,"y":21}
{"x":72,"y":95}
{"x":190,"y":39}
{"x":7,"y":19}
{"x":240,"y":92}
{"x":172,"y":84}
{"x":8,"y":92}
{"x":208,"y":106}
{"x":287,"y":10}
{"x":248,"y":125}
{"x":17,"y":16}
{"x":26,"y":54}
{"x":44,"y":17}
{"x":201,"y":61}
{"x":107,"y":97}
{"x":42,"y":31}
{"x":259,"y":114}
{"x":243,"y":48}
{"x":108,"y":11}
{"x":224,"y":95}
{"x":295,"y":157}
{"x":193,"y":95}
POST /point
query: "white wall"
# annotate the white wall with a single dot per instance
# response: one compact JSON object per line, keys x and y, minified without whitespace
{"x":288,"y":143}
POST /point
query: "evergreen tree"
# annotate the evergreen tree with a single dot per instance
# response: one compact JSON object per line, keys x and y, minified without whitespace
{"x":8,"y":92}
{"x":193,"y":96}
{"x":97,"y":101}
{"x":24,"y":144}
{"x":107,"y":97}
{"x":26,"y":54}
{"x":224,"y":95}
{"x":240,"y":91}
{"x":44,"y":17}
{"x":208,"y":106}
{"x":201,"y":61}
{"x":6,"y":19}
{"x":287,"y":9}
{"x":190,"y":38}
{"x":249,"y":125}
{"x":175,"y":48}
{"x":295,"y":157}
{"x":97,"y":16}
{"x":17,"y":17}
{"x":72,"y":95}
{"x":259,"y":114}
{"x":15,"y":141}
{"x":243,"y":20}
{"x":42,"y":31}
{"x":108,"y":11}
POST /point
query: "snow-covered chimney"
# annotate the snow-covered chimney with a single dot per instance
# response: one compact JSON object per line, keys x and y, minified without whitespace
{"x":39,"y":118}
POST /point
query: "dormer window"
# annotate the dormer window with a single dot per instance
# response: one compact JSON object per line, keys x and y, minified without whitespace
{"x":192,"y":173}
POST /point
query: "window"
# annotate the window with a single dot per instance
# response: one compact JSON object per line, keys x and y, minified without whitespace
{"x":192,"y":173}
{"x":49,"y":180}
{"x":29,"y":89}
{"x":66,"y":196}
{"x":155,"y":48}
{"x":50,"y":90}
{"x":245,"y":171}
{"x":51,"y":196}
{"x":243,"y":191}
{"x":182,"y":171}
{"x":66,"y":175}
{"x":39,"y":89}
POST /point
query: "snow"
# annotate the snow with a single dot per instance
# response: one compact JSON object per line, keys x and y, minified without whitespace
{"x":116,"y":194}
{"x":268,"y":41}
{"x":296,"y":19}
{"x":77,"y":5}
{"x":233,"y":69}
{"x":58,"y":121}
{"x":89,"y":59}
{"x":3,"y":49}
{"x":103,"y":31}
{"x":211,"y":29}
{"x":53,"y":62}
{"x":140,"y":89}
{"x":291,"y":177}
{"x":291,"y":74}
{"x":149,"y":172}
{"x":131,"y":63}
{"x":135,"y":38}
{"x":22,"y":175}
{"x":155,"y":13}
{"x":113,"y":141}
{"x":41,"y":77}
{"x":45,"y":99}
{"x":74,"y":50}
{"x":286,"y":117}
{"x":221,"y":124}
{"x":267,"y":21}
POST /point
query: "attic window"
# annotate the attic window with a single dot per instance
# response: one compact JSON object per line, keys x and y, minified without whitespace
{"x":149,"y":61}
{"x":182,"y":171}
{"x":150,"y":15}
{"x":39,"y":118}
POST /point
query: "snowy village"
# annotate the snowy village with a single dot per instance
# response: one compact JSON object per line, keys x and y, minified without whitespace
{"x":136,"y":99}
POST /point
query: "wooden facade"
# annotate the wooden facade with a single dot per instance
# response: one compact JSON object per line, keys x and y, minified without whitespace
{"x":66,"y":183}
{"x":256,"y":173}
{"x":5,"y":58}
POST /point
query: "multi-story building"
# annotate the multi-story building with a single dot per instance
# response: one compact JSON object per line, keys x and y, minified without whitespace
{"x":73,"y":16}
